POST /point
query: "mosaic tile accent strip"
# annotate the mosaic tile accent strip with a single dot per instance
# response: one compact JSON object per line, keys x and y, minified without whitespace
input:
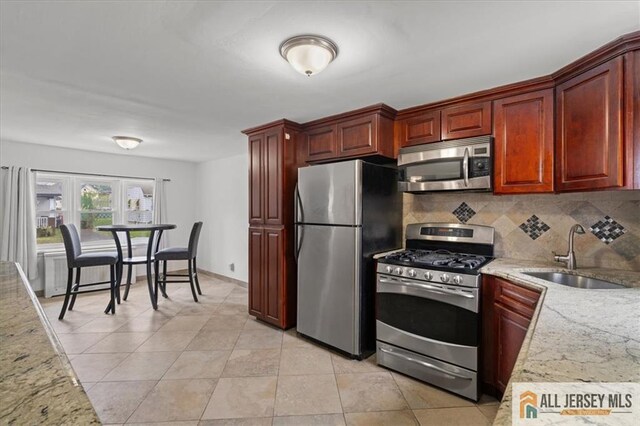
{"x":607,"y":230}
{"x":534,"y":227}
{"x":463,"y":212}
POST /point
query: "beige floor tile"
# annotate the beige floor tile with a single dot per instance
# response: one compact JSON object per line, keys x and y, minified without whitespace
{"x":253,"y":421}
{"x":344,"y":365}
{"x":459,"y":416}
{"x":198,"y":365}
{"x":382,"y":418}
{"x":302,"y":395}
{"x":173,"y":400}
{"x":167,"y":341}
{"x":199,"y":309}
{"x":115,"y":401}
{"x":75,"y":343}
{"x":242,"y":397}
{"x":489,"y":411}
{"x":105,"y":324}
{"x":143,"y":366}
{"x":119,"y":342}
{"x":291,"y":339}
{"x":259,"y":339}
{"x":185,"y":423}
{"x":254,"y":324}
{"x":186,"y":323}
{"x":229,"y":308}
{"x":220,"y":321}
{"x":145,"y":322}
{"x":314,"y":420}
{"x":488,"y":400}
{"x":421,"y":395}
{"x":69,"y":324}
{"x":93,"y":367}
{"x":252,"y":362}
{"x":297,"y":361}
{"x":87,"y":385}
{"x":369,"y":392}
{"x":214,"y":340}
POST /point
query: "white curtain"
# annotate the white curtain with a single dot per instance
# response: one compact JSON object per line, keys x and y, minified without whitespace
{"x":18,"y":219}
{"x":160,"y":208}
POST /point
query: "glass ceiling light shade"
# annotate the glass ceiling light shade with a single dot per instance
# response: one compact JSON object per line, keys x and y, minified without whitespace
{"x":126,"y":142}
{"x":309,"y":54}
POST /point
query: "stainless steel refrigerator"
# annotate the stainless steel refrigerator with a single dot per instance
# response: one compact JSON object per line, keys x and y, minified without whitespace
{"x":345,"y":213}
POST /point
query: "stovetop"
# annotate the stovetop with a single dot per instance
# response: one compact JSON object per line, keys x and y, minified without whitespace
{"x":443,"y":260}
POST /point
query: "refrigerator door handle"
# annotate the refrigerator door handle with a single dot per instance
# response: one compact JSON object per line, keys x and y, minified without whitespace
{"x":299,"y":236}
{"x":298,"y":208}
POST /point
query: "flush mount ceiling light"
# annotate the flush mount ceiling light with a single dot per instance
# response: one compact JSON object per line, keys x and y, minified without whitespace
{"x":309,"y":54}
{"x":126,"y":142}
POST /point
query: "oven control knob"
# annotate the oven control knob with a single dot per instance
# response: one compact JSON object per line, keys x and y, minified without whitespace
{"x":444,"y":278}
{"x":412,"y":273}
{"x":457,"y":279}
{"x":398,"y":271}
{"x":428,"y":276}
{"x":389,"y":269}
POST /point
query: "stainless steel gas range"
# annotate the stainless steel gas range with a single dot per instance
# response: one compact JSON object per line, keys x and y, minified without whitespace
{"x":428,"y":307}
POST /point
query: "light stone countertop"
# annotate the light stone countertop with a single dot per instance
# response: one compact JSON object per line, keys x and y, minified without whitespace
{"x":576,"y":335}
{"x":37,"y":383}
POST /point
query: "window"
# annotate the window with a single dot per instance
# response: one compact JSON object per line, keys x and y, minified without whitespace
{"x":89,"y":202}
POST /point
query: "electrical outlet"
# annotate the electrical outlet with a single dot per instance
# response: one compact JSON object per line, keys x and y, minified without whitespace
{"x":232,"y":267}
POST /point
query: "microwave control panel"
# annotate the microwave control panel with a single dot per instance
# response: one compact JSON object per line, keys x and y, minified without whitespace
{"x":480,"y":167}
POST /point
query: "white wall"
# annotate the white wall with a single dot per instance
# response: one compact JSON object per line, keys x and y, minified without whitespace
{"x":222,"y":203}
{"x":181,"y":191}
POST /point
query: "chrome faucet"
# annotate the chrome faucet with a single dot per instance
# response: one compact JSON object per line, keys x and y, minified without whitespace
{"x":570,"y":258}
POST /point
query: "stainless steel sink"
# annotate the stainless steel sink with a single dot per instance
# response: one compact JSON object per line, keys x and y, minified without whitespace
{"x":577,"y":281}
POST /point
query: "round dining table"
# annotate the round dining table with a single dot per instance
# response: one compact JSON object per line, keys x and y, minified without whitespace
{"x":155,"y":234}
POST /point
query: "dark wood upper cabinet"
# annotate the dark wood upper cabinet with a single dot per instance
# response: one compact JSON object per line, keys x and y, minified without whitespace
{"x":507,"y":310}
{"x":360,"y":133}
{"x":273,"y":177}
{"x":321,"y":143}
{"x":256,"y":174}
{"x":423,"y":128}
{"x":523,"y":146}
{"x":589,"y":141}
{"x":632,"y":118}
{"x":465,"y":121}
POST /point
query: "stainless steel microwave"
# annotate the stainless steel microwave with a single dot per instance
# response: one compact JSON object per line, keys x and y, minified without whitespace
{"x":462,"y":164}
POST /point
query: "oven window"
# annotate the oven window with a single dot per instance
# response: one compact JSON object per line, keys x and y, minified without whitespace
{"x":429,"y":318}
{"x":433,"y":171}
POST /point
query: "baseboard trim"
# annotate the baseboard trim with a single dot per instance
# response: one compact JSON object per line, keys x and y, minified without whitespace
{"x":223,"y":277}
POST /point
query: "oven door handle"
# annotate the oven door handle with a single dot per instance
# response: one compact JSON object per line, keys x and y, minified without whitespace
{"x":426,"y":287}
{"x":465,"y":167}
{"x":426,"y":364}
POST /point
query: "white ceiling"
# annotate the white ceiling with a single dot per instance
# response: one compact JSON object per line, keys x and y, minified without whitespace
{"x":187,"y":76}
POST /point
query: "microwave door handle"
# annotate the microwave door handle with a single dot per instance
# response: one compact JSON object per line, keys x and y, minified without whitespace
{"x":465,"y":167}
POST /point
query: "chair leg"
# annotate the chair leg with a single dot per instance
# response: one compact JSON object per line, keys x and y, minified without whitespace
{"x":156,"y":267}
{"x":112,"y":274}
{"x":66,"y":296}
{"x":75,"y":288}
{"x":195,"y":273}
{"x":163,"y":281}
{"x":193,"y":288}
{"x":126,"y":290}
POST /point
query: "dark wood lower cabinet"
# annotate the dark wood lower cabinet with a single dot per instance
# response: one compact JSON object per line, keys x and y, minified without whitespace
{"x":507,"y":309}
{"x":272,"y":294}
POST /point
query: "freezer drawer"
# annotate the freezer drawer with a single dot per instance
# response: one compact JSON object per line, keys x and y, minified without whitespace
{"x":330,"y":194}
{"x":329,"y":285}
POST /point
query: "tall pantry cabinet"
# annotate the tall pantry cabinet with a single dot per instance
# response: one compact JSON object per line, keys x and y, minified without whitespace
{"x":273,"y":172}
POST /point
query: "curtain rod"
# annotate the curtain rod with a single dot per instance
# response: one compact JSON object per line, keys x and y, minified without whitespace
{"x":90,"y":174}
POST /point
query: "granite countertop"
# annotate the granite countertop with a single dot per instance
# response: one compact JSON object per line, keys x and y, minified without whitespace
{"x":576,"y":335}
{"x":37,"y":384}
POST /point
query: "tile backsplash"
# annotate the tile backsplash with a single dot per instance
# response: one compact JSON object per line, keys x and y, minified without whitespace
{"x":534,"y":226}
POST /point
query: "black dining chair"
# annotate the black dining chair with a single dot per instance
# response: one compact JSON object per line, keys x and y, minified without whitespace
{"x":78,"y":260}
{"x":179,"y":253}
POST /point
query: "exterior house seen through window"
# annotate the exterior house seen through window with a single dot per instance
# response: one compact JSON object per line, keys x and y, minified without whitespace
{"x":89,"y":202}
